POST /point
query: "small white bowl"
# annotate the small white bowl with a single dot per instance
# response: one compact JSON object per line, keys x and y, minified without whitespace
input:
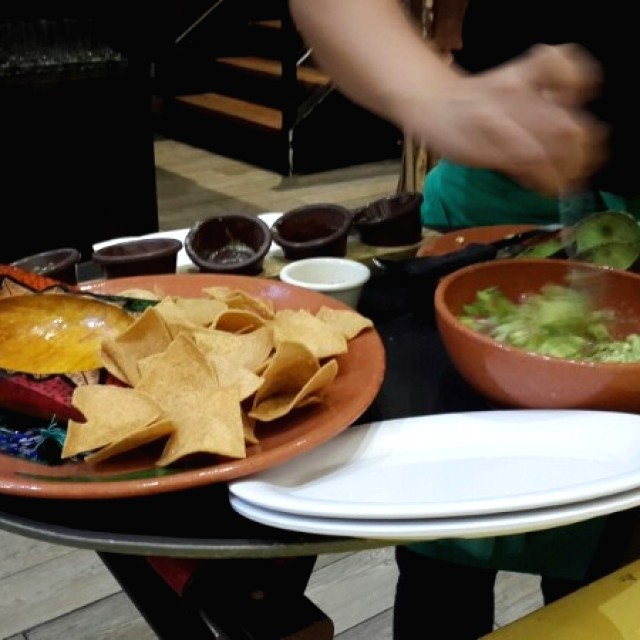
{"x":340,"y":278}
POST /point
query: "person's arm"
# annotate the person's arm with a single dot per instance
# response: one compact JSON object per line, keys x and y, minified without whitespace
{"x":510,"y":119}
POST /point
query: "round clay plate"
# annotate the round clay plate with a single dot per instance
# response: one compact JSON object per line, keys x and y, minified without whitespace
{"x":360,"y":376}
{"x":456,"y":240}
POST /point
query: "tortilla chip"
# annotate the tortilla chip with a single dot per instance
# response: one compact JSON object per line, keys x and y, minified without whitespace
{"x":320,"y":338}
{"x":239,"y":299}
{"x":349,"y":323}
{"x":197,"y":364}
{"x":140,"y":294}
{"x":179,"y":367}
{"x":207,"y":418}
{"x":238,"y":321}
{"x":249,"y":350}
{"x":111,"y":413}
{"x":148,"y":434}
{"x":212,"y":424}
{"x":218,"y":293}
{"x":146,"y":364}
{"x":146,"y":336}
{"x":249,"y":426}
{"x":229,"y":374}
{"x":244,"y":301}
{"x":290,"y":369}
{"x":309,"y":400}
{"x":280,"y":404}
{"x":200,"y":311}
{"x":174,"y":316}
{"x":115,"y":360}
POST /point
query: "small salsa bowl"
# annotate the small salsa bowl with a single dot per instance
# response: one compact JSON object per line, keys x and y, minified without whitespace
{"x":229,"y":243}
{"x":59,"y":264}
{"x":392,"y":221}
{"x":313,"y":230}
{"x":144,"y":256}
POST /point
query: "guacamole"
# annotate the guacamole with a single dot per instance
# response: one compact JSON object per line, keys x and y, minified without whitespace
{"x":556,"y":321}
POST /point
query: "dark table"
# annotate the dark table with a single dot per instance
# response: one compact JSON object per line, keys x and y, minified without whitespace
{"x":224,"y":560}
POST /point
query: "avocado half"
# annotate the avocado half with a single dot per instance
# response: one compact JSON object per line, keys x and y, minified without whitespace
{"x":605,"y":238}
{"x":606,"y":227}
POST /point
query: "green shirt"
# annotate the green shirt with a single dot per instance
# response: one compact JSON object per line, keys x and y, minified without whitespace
{"x":456,"y":196}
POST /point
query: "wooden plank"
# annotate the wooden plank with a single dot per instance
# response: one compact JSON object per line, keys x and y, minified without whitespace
{"x":267,"y":67}
{"x":18,"y":553}
{"x":379,"y":627}
{"x":114,"y":617}
{"x":33,"y":597}
{"x":516,"y":595}
{"x":266,"y":24}
{"x":234,"y":109}
{"x":355,"y":588}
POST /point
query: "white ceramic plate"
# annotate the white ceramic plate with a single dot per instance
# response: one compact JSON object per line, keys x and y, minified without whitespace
{"x":432,"y":529}
{"x":458,"y":464}
{"x":184,"y":264}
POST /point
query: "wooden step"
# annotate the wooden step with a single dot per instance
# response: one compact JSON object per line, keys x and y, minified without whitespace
{"x":266,"y":24}
{"x":266,"y":67}
{"x":233,"y":109}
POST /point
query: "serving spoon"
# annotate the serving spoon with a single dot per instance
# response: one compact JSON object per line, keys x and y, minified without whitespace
{"x":438,"y":266}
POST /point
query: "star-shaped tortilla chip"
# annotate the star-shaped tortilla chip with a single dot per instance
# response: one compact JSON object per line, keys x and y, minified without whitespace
{"x":111,"y":413}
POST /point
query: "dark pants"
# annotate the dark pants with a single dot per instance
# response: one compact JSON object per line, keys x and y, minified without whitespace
{"x":455,"y":597}
{"x":437,"y":599}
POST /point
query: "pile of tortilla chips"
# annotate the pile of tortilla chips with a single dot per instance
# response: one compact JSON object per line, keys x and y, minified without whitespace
{"x":201,"y":372}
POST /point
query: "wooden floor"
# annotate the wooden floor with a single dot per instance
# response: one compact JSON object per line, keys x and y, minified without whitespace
{"x":50,"y":592}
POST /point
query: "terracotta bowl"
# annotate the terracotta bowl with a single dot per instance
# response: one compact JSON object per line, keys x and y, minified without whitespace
{"x":59,"y":264}
{"x":512,"y":377}
{"x":392,"y":221}
{"x":144,"y":256}
{"x":313,"y":230}
{"x":229,"y":243}
{"x":462,"y":238}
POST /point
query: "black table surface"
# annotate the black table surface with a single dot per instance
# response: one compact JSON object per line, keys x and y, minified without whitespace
{"x":199,"y":522}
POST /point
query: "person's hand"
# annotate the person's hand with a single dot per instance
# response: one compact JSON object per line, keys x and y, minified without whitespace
{"x":523,"y":118}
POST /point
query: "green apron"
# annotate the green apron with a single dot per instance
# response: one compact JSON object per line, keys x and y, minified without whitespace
{"x":457,"y":196}
{"x":563,"y":552}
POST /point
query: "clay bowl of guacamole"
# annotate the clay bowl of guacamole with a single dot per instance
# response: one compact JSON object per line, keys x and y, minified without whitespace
{"x":544,"y":333}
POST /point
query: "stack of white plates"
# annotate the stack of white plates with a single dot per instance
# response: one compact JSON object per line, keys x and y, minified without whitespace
{"x":465,"y":475}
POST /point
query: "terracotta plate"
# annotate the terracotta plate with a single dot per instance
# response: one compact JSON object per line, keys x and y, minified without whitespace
{"x":456,"y":240}
{"x":359,"y":379}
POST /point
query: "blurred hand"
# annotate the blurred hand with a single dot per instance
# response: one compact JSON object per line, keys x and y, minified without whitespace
{"x":524,"y":118}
